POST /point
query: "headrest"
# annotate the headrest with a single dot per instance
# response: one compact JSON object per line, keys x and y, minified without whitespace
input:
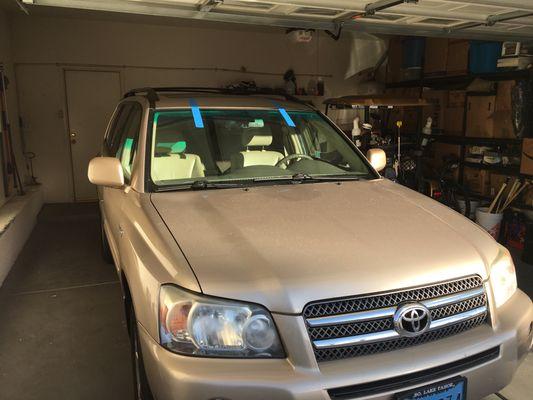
{"x":256,"y":138}
{"x":162,"y":151}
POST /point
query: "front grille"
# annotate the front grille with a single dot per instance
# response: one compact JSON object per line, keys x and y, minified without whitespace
{"x":359,"y":326}
{"x":343,"y":330}
{"x":390,"y":299}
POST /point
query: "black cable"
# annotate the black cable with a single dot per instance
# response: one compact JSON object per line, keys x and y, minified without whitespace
{"x":501,"y":396}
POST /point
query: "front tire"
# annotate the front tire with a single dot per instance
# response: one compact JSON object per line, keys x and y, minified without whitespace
{"x":141,"y":387}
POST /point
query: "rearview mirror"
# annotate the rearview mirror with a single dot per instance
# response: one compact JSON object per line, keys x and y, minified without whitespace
{"x":377,"y":158}
{"x":106,"y":171}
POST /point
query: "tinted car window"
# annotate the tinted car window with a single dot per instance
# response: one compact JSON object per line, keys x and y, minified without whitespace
{"x":117,"y":128}
{"x":229,"y":144}
{"x":128,"y":141}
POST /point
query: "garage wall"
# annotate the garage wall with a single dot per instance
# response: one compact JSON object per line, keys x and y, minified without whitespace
{"x":6,"y":58}
{"x":181,"y":54}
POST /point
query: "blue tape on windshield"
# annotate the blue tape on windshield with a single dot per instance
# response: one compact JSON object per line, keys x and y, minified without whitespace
{"x":287,"y":117}
{"x":197,"y":116}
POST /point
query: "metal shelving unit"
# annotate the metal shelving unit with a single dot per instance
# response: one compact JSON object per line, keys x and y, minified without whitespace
{"x":473,"y":141}
{"x":461,"y":80}
{"x":509,"y":170}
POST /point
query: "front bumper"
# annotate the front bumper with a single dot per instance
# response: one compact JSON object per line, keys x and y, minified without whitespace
{"x":175,"y":377}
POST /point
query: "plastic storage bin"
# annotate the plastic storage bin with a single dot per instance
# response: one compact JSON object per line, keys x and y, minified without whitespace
{"x":484,"y":56}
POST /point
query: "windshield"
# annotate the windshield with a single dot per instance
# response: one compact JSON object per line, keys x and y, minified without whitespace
{"x":224,"y":145}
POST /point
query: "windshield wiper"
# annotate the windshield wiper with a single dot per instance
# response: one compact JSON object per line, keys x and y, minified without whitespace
{"x":201,"y":185}
{"x":324,"y":178}
{"x":301,"y":177}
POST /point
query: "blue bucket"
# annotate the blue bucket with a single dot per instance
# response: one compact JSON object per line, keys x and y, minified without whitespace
{"x":484,"y":56}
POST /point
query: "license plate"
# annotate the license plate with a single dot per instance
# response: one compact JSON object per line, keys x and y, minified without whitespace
{"x":453,"y":389}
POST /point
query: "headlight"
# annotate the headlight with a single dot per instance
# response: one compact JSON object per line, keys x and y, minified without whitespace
{"x":503,"y":277}
{"x":203,"y":326}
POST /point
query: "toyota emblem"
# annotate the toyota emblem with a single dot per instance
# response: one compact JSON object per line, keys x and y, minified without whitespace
{"x":412,"y":319}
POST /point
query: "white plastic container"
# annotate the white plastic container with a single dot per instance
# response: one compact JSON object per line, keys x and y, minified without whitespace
{"x":474,"y":204}
{"x":490,"y":222}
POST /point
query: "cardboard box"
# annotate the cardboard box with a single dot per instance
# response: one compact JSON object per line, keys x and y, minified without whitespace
{"x":439,"y":101}
{"x":479,"y":118}
{"x":436,"y":56}
{"x":503,"y":125}
{"x":526,"y":164}
{"x":477,"y":181}
{"x":456,"y":98}
{"x":454,"y":121}
{"x":504,"y":95}
{"x":457,"y":60}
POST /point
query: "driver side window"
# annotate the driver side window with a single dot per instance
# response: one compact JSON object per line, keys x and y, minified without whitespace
{"x":127,"y":147}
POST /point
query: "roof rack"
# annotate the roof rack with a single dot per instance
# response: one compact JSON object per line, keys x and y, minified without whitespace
{"x":151,"y":93}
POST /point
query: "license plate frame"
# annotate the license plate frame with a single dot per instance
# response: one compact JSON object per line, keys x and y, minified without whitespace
{"x":452,"y":389}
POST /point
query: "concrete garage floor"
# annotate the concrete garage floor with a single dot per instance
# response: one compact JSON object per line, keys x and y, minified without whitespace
{"x":62,"y":328}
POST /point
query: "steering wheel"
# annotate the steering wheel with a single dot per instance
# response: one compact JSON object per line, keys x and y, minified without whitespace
{"x":290,"y":157}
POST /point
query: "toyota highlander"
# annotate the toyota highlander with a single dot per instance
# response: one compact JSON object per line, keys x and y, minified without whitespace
{"x":262,"y":256}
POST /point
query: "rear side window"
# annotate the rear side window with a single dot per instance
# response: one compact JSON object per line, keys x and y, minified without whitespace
{"x":128,"y":141}
{"x":117,"y":128}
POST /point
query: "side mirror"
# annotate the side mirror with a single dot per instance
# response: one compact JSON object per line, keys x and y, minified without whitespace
{"x":106,"y":171}
{"x":377,"y":158}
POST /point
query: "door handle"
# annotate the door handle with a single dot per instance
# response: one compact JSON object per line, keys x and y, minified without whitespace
{"x":73,"y":137}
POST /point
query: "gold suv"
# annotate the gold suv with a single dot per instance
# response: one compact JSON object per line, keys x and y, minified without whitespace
{"x":262,"y":256}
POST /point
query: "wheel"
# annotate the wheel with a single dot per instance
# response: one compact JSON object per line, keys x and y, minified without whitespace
{"x":141,"y":387}
{"x":106,"y":250}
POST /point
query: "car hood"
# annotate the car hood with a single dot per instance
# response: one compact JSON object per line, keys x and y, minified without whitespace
{"x":284,"y":246}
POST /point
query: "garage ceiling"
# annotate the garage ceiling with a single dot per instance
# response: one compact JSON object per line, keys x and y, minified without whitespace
{"x":481,"y":19}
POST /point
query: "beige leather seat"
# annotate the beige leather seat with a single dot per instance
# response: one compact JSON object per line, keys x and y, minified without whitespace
{"x":257,"y":139}
{"x":168,"y":166}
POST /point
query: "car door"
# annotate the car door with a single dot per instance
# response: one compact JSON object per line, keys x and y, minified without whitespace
{"x":119,"y":144}
{"x":127,"y":153}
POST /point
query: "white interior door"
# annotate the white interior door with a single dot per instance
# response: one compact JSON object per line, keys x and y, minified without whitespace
{"x":91,"y":98}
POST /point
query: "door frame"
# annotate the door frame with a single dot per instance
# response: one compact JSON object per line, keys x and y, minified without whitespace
{"x":66,"y":114}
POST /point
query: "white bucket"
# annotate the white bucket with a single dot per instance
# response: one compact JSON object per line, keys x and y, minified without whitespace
{"x":490,"y":222}
{"x":474,"y":204}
